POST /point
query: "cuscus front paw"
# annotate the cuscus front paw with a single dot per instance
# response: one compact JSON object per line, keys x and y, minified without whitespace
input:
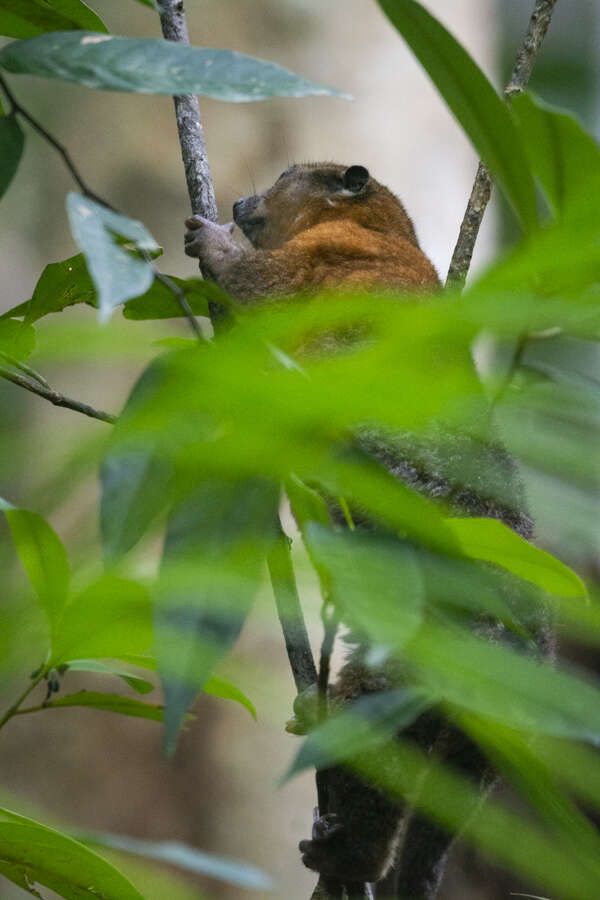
{"x":321,"y":853}
{"x":202,"y":234}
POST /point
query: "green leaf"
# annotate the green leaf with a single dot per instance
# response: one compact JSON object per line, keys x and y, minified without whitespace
{"x":109,"y":618}
{"x":26,"y":18}
{"x":155,"y":66}
{"x":16,"y":339}
{"x":493,"y":541}
{"x":561,"y":154}
{"x":31,"y":853}
{"x":505,"y":686}
{"x":220,"y":687}
{"x":374,"y":579}
{"x":215,"y":549}
{"x":44,"y":559}
{"x":117,"y":274}
{"x":12,"y":141}
{"x":150,"y":3}
{"x":159,"y":302}
{"x":61,"y":284}
{"x":306,"y":503}
{"x":139,"y":685}
{"x":177,"y":854}
{"x":361,"y":728}
{"x":125,"y":706}
{"x":473,"y":101}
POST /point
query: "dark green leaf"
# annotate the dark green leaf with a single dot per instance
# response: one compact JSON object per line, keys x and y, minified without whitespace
{"x":472,"y":99}
{"x":125,"y":706}
{"x":154,"y":66}
{"x":61,"y":284}
{"x":139,"y":685}
{"x":26,"y":18}
{"x":215,"y":549}
{"x":493,"y":541}
{"x":177,"y":854}
{"x":160,"y":303}
{"x":375,"y":581}
{"x":109,"y":618}
{"x":44,"y":559}
{"x":31,"y":854}
{"x":561,"y":154}
{"x":16,"y":339}
{"x":363,"y":727}
{"x":117,"y":274}
{"x":12,"y":141}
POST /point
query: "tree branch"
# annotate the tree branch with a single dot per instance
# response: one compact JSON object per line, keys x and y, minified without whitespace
{"x":55,"y":397}
{"x":482,"y":187}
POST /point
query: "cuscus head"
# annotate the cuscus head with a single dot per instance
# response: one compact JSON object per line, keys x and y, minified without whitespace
{"x":309,"y":194}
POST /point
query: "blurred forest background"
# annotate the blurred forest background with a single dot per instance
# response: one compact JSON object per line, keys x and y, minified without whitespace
{"x":91,"y":770}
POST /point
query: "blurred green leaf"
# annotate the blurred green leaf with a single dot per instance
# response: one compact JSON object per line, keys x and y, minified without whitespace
{"x":117,"y":274}
{"x":31,"y":853}
{"x":139,"y":685}
{"x":44,"y":559}
{"x":493,"y":541}
{"x":374,"y":580}
{"x":362,"y":727}
{"x":504,"y":685}
{"x":26,"y":18}
{"x":12,"y":141}
{"x":175,"y":853}
{"x":473,"y":101}
{"x":215,"y":549}
{"x":306,"y":503}
{"x":150,"y":3}
{"x":16,"y":339}
{"x":155,"y":66}
{"x":561,"y":154}
{"x":109,"y":618}
{"x":220,"y":687}
{"x":61,"y":284}
{"x":125,"y":706}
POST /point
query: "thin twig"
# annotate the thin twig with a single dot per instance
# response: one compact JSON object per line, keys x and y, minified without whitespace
{"x":14,"y":709}
{"x":16,"y":107}
{"x":482,"y":187}
{"x":55,"y":397}
{"x":183,"y":302}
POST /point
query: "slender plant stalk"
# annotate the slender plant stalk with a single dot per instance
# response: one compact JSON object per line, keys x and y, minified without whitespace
{"x":482,"y":186}
{"x":55,"y":397}
{"x":14,"y":709}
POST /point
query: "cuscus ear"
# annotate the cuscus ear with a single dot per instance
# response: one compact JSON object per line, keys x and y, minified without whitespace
{"x":355,"y":179}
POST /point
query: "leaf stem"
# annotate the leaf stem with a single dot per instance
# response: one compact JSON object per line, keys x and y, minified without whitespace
{"x":14,"y":709}
{"x":482,"y":186}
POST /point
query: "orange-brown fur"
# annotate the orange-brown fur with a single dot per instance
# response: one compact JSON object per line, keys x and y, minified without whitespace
{"x":321,"y":225}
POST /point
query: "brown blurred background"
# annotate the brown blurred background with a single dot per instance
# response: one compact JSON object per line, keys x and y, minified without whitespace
{"x":94,"y":770}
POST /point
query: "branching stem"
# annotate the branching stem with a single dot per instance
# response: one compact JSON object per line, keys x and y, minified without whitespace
{"x":55,"y":397}
{"x":14,"y":709}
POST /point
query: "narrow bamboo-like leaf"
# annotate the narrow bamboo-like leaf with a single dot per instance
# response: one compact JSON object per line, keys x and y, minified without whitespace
{"x":109,"y":618}
{"x":155,"y":66}
{"x":31,"y":853}
{"x":473,"y":101}
{"x":44,"y":559}
{"x":139,"y":685}
{"x":375,"y":580}
{"x":12,"y":141}
{"x":367,"y":724}
{"x":125,"y":706}
{"x":175,"y":853}
{"x":493,"y":541}
{"x":26,"y":18}
{"x":117,"y":273}
{"x":564,"y":157}
{"x":220,"y":687}
{"x":215,"y":550}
